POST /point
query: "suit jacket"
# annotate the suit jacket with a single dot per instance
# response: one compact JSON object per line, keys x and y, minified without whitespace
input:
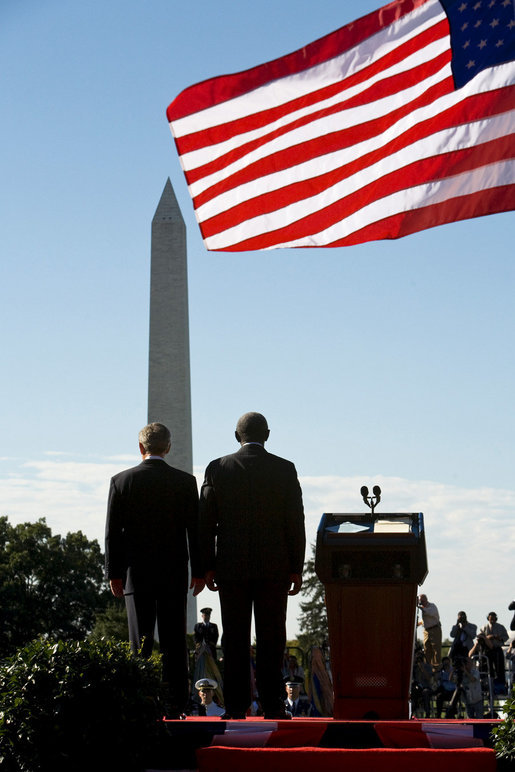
{"x":152,"y":526}
{"x":299,"y":708}
{"x":207,"y":633}
{"x":251,"y":517}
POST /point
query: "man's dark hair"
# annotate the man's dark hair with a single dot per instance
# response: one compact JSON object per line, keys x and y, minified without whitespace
{"x":155,"y":438}
{"x":252,"y":427}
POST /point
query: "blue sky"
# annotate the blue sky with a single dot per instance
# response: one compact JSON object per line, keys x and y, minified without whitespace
{"x":389,"y":362}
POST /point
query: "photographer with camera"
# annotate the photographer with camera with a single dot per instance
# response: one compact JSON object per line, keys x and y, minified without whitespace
{"x":463,"y":633}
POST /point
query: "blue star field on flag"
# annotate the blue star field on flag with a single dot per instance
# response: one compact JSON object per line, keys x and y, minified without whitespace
{"x":482,"y":35}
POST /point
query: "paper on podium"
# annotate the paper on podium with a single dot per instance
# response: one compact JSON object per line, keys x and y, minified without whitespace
{"x":399,"y":525}
{"x":347,"y":527}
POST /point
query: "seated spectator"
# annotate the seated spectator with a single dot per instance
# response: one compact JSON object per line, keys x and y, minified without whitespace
{"x":463,"y":633}
{"x":446,"y":686}
{"x":294,"y":672}
{"x":206,"y":689}
{"x":510,"y":651}
{"x":490,"y":641}
{"x":472,"y":689}
{"x":511,"y":607}
{"x":293,"y":703}
{"x":292,"y":669}
{"x":422,"y":686}
{"x":510,"y":662}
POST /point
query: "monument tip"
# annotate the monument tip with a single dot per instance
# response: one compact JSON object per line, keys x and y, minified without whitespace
{"x":168,"y":208}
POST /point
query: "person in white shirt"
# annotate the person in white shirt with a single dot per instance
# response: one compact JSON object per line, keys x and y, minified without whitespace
{"x":490,"y":640}
{"x":206,"y":689}
{"x":432,"y":632}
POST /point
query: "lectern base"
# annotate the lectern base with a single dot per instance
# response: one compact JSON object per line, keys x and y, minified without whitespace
{"x":370,"y":708}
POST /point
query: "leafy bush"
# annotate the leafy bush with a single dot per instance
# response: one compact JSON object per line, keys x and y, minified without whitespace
{"x":78,"y":706}
{"x":504,"y":733}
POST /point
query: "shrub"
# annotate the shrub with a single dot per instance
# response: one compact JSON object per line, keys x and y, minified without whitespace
{"x":504,"y":734}
{"x":76,"y":706}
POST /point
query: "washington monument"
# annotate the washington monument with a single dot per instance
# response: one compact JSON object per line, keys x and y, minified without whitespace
{"x":169,"y":392}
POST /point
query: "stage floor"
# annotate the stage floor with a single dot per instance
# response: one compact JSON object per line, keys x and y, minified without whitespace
{"x":184,"y":742}
{"x":330,"y":733}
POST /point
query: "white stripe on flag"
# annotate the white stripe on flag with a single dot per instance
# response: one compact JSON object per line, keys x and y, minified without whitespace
{"x":485,"y":177}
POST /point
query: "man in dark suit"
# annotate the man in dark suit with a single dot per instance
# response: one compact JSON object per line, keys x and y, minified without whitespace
{"x":206,"y":632}
{"x":152,"y":520}
{"x":252,"y":544}
{"x":293,"y":703}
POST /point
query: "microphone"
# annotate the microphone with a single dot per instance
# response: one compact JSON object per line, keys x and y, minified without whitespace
{"x":371,"y":501}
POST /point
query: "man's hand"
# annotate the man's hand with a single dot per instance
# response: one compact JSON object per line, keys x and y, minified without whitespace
{"x":211,"y":581}
{"x":197,"y":584}
{"x":295,"y":584}
{"x":116,"y":587}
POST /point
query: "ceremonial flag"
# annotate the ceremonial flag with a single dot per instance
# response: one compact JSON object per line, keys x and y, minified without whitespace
{"x":400,"y":121}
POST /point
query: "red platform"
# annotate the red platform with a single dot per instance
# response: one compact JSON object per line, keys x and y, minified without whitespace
{"x":213,"y":745}
{"x":350,"y":760}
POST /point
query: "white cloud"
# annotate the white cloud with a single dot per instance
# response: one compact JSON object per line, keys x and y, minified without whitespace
{"x":71,"y":495}
{"x":470,"y":533}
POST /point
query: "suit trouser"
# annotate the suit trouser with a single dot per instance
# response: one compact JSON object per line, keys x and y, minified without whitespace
{"x":433,"y":645}
{"x":269,"y":600}
{"x":168,"y":609}
{"x":495,"y":658}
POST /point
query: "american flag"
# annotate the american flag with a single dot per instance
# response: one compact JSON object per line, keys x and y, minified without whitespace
{"x":400,"y":121}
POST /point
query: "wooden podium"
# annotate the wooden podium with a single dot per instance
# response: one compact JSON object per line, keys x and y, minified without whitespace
{"x":371,"y":566}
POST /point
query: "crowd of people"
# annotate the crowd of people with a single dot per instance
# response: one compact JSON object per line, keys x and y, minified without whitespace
{"x":476,"y":664}
{"x":477,"y":661}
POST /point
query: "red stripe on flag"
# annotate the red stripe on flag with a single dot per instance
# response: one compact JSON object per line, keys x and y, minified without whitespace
{"x":216,"y":134}
{"x":460,"y":208}
{"x":217,"y":90}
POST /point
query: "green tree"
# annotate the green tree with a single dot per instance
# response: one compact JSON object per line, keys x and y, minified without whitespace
{"x":50,"y":586}
{"x":111,"y":623}
{"x":313,"y":617}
